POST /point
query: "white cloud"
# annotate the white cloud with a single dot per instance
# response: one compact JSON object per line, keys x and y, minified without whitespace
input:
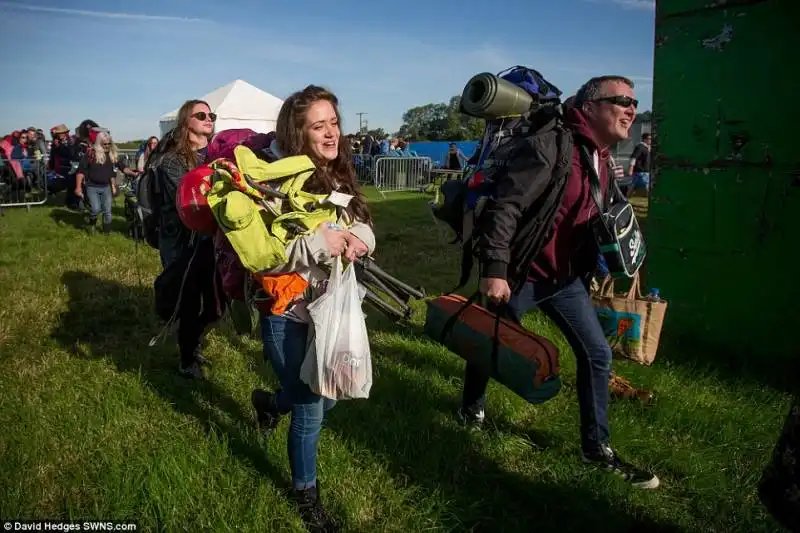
{"x":98,"y":14}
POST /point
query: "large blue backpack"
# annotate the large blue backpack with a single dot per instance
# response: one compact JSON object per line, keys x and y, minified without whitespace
{"x":464,"y":200}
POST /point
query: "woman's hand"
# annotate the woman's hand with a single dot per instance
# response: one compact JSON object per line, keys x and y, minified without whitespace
{"x":355,"y":247}
{"x":335,"y":238}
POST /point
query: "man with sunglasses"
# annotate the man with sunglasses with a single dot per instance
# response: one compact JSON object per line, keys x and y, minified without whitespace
{"x":558,"y":263}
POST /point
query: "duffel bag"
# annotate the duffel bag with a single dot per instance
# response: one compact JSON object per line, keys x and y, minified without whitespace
{"x":520,"y":360}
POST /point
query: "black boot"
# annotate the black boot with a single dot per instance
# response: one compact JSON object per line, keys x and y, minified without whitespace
{"x":91,"y":224}
{"x":313,"y":514}
{"x":106,"y":228}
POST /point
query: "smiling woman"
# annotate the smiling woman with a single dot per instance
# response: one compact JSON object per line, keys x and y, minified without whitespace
{"x":309,"y":124}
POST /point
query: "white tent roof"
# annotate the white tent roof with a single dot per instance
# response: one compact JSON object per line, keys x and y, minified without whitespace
{"x":237,"y":105}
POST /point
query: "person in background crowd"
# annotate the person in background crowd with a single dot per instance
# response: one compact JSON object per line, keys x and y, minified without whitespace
{"x":60,"y":151}
{"x":21,"y":152}
{"x":80,"y":143}
{"x":639,"y":167}
{"x":367,"y":145}
{"x":309,"y":124}
{"x":403,"y":147}
{"x":36,"y":143}
{"x":555,"y":276}
{"x":384,"y":146}
{"x":150,"y":145}
{"x":97,"y":171}
{"x":456,"y":160}
{"x":186,"y":148}
{"x":37,"y":148}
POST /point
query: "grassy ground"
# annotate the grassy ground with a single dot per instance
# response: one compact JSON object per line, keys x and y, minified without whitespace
{"x":97,"y":425}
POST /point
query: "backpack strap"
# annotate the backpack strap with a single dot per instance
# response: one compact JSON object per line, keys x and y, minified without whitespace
{"x":594,"y":180}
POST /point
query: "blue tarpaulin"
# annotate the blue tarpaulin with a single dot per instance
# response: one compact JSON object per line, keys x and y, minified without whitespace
{"x":437,"y":150}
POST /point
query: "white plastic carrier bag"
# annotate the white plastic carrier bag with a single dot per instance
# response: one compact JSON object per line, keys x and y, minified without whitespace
{"x":338,"y":364}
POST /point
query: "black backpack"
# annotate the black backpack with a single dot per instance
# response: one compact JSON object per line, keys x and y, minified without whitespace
{"x":148,"y":191}
{"x":465,"y":200}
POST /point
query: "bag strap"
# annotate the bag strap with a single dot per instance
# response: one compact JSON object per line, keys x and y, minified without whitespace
{"x":636,"y":288}
{"x":594,"y":179}
{"x":501,"y":311}
{"x":505,"y":309}
{"x":448,"y":326}
{"x":607,"y":287}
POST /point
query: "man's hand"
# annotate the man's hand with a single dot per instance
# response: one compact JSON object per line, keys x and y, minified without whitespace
{"x":79,"y":192}
{"x":355,"y":247}
{"x":496,"y":289}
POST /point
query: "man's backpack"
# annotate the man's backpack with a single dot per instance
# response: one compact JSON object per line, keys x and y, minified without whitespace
{"x":464,"y":200}
{"x":148,"y":191}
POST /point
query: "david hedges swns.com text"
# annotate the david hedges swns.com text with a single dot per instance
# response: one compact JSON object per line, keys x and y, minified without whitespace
{"x":49,"y":525}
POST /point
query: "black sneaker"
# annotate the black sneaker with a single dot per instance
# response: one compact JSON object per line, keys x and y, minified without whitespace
{"x":313,"y":514}
{"x":267,"y":414}
{"x":473,"y":416}
{"x":606,"y":459}
{"x":193,"y":371}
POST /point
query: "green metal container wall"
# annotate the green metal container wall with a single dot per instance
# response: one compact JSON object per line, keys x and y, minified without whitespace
{"x":723,"y":221}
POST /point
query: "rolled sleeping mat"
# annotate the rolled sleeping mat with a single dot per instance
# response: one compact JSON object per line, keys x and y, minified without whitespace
{"x":487,"y":96}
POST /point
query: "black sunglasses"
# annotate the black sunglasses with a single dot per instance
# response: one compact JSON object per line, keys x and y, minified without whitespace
{"x":622,"y":101}
{"x":201,"y":116}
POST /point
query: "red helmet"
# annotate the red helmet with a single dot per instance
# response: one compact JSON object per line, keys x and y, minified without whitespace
{"x":191,"y":201}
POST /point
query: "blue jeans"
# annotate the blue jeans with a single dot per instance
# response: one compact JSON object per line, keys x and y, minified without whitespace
{"x":570,"y":307}
{"x":285,"y":349}
{"x":641,"y":180}
{"x":99,"y":201}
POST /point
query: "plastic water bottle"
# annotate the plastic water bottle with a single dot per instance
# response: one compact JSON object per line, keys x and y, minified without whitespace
{"x":654,"y":296}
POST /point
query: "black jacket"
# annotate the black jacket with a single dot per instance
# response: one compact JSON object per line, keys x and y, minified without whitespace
{"x":517,"y":222}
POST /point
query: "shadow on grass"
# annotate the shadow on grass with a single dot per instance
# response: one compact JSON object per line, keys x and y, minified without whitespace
{"x":117,"y":322}
{"x":77,"y":219}
{"x":402,"y":424}
{"x":732,"y":366}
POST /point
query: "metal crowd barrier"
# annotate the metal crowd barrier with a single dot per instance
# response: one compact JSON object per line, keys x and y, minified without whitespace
{"x":394,"y":174}
{"x":23,"y":182}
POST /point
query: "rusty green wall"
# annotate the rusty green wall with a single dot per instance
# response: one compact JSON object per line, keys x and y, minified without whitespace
{"x":724,"y":221}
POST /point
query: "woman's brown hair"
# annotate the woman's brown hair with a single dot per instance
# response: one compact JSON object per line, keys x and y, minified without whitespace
{"x":338,"y":174}
{"x":183,"y":145}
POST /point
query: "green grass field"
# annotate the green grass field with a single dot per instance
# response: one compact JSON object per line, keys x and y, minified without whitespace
{"x":96,"y":424}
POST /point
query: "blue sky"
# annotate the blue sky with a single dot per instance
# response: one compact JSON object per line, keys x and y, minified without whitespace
{"x":125,"y":63}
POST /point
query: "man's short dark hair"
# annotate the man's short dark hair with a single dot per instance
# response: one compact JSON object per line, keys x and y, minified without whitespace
{"x":591,"y":89}
{"x":645,"y":136}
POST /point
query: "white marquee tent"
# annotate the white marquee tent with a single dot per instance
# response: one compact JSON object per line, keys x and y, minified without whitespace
{"x":237,"y":105}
